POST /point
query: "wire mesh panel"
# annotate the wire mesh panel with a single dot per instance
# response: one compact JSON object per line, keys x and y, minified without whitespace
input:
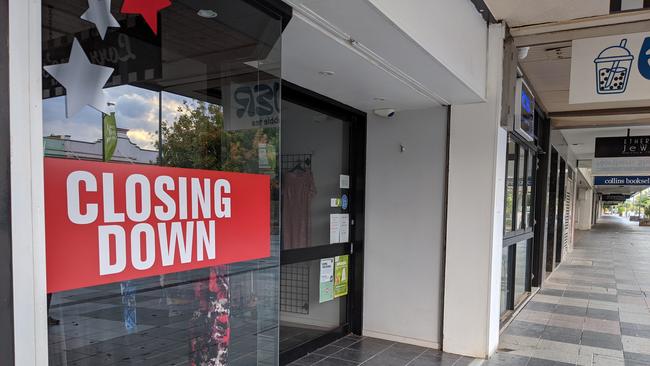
{"x":291,"y":161}
{"x":294,"y":288}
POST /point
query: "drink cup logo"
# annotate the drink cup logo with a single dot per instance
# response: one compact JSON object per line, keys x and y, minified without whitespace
{"x":613,"y":66}
{"x":644,"y":59}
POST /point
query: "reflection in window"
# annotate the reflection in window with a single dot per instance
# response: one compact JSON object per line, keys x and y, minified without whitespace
{"x":521,"y":268}
{"x":510,"y":185}
{"x":179,"y":99}
{"x":521,"y":171}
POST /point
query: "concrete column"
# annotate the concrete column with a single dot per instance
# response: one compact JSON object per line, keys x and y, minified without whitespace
{"x":477,"y":162}
{"x":585,"y":206}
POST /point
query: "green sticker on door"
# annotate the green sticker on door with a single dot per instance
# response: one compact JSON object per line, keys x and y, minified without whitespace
{"x":341,"y":273}
{"x":334,"y":274}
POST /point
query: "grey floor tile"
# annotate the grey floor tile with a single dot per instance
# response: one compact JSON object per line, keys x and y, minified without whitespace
{"x":542,"y":362}
{"x":563,"y":335}
{"x":601,"y":340}
{"x":603,"y":314}
{"x":327,"y":350}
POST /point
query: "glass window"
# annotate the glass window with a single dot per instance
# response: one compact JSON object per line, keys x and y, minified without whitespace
{"x":521,"y":270}
{"x":190,"y":90}
{"x":315,"y":149}
{"x":504,"y":281}
{"x":307,"y":313}
{"x":530,"y":190}
{"x":521,"y":176}
{"x":510,"y":185}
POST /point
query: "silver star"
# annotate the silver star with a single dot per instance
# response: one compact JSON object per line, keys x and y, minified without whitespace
{"x":99,"y":12}
{"x":83,"y":81}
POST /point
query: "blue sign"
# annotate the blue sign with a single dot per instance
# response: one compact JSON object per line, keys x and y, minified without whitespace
{"x":344,"y":202}
{"x":644,"y":59}
{"x":622,"y":181}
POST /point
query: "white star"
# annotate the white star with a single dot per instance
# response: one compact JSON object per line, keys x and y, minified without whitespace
{"x":99,"y":12}
{"x":83,"y":81}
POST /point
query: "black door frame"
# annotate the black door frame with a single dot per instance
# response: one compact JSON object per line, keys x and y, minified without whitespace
{"x":357,"y":153}
{"x":6,"y":276}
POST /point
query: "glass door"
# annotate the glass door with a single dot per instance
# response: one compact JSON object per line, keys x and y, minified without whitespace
{"x":319,"y":201}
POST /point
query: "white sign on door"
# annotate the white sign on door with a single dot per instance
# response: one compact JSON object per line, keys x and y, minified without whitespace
{"x":610,"y":69}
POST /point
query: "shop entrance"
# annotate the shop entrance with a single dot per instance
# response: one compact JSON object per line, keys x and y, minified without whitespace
{"x":322,"y":170}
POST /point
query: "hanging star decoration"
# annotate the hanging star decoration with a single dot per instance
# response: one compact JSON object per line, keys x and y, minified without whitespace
{"x":83,"y":81}
{"x":99,"y":12}
{"x":148,"y":9}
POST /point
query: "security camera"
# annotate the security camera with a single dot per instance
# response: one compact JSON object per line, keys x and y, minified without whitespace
{"x":386,"y":112}
{"x":522,"y":52}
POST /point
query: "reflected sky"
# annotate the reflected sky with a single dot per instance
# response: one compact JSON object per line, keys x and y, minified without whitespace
{"x":136,"y":109}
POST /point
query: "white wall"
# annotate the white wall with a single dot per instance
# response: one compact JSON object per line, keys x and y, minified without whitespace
{"x":477,"y":161}
{"x":584,"y":206}
{"x":27,"y":207}
{"x":405,"y":200}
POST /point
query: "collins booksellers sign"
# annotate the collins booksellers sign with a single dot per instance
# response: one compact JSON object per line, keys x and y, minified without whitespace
{"x":622,"y":181}
{"x":610,"y":69}
{"x":108,"y":222}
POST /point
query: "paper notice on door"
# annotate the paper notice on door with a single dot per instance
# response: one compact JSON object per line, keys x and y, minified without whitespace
{"x":339,"y":228}
{"x":326,"y":280}
{"x":344,"y":181}
{"x":344,"y":231}
{"x":335,"y":228}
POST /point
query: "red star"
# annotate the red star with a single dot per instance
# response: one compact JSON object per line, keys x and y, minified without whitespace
{"x":148,"y":9}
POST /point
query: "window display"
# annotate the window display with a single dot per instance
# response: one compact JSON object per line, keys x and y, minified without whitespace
{"x":162,"y":212}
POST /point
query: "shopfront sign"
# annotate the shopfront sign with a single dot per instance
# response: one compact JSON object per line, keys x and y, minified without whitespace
{"x":615,"y":197}
{"x":108,"y":222}
{"x":610,"y":69}
{"x":252,"y":105}
{"x":622,"y":181}
{"x":621,"y":166}
{"x":624,"y":146}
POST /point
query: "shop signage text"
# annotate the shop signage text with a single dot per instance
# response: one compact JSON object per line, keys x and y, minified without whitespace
{"x":610,"y":69}
{"x":108,"y":222}
{"x":624,"y":146}
{"x":621,"y":181}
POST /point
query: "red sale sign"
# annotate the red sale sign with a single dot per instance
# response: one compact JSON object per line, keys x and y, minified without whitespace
{"x":110,"y":222}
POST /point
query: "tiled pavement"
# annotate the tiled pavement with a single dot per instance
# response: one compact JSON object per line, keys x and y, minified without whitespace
{"x":593,"y":310}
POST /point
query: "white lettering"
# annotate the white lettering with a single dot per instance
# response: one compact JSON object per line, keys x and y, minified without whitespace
{"x":74,"y":210}
{"x":200,"y":196}
{"x":168,"y":248}
{"x":182,"y":198}
{"x":136,"y":247}
{"x":132,"y":200}
{"x":205,"y":241}
{"x":222,"y":204}
{"x":105,"y":266}
{"x":162,"y":183}
{"x":108,"y":191}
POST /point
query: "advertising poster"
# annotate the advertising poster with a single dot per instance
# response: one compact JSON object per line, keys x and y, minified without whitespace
{"x":341,"y":273}
{"x":133,"y":221}
{"x":326,"y":280}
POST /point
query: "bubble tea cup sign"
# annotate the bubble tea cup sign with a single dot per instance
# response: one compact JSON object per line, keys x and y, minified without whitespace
{"x":610,"y":69}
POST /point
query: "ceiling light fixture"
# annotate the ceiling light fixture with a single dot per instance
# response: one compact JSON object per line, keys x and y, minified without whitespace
{"x":207,"y":13}
{"x":326,"y":73}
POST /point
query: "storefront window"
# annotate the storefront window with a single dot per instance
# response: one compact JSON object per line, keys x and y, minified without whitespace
{"x":521,"y":177}
{"x":510,"y":185}
{"x":521,"y":268}
{"x":174,"y":96}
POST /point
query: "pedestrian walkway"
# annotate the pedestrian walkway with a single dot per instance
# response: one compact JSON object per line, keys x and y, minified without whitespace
{"x":594,"y":309}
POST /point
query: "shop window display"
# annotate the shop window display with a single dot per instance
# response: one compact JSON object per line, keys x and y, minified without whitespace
{"x":165,"y":85}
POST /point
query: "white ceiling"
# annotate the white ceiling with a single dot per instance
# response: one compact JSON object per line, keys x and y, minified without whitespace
{"x":383,"y":68}
{"x":306,"y":52}
{"x":526,"y":12}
